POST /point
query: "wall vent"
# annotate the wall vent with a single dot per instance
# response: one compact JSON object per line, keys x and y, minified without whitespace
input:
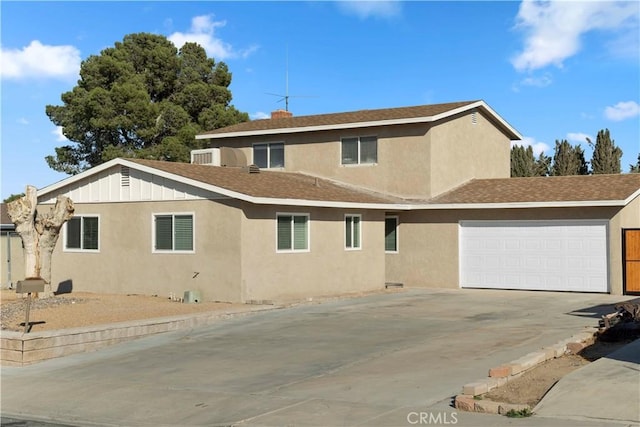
{"x":474,"y":118}
{"x":124,"y":176}
{"x":208,"y":156}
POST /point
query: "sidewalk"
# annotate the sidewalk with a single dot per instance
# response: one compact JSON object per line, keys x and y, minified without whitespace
{"x":607,"y":389}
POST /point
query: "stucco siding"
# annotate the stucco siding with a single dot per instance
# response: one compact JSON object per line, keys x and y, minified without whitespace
{"x":428,"y":254}
{"x":462,"y":150}
{"x":629,"y":217}
{"x":325,"y":269}
{"x":12,"y":258}
{"x":126,"y":262}
{"x":403,"y":162}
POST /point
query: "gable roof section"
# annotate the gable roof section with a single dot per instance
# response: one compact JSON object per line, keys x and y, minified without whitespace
{"x":559,"y":191}
{"x":296,"y":189}
{"x":283,"y":186}
{"x":359,"y":119}
{"x":265,"y":187}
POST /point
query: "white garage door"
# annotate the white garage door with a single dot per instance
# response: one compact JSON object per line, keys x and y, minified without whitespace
{"x":536,"y":255}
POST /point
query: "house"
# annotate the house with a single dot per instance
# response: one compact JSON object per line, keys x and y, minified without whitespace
{"x":12,"y":268}
{"x":296,"y":207}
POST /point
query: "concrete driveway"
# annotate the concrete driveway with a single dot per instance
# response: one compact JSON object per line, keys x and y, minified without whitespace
{"x":376,"y":360}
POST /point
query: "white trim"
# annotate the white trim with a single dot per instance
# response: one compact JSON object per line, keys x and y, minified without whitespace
{"x":268,"y":144}
{"x":409,"y":206}
{"x":80,"y":249}
{"x":360,"y":233}
{"x":359,"y":153}
{"x":292,"y":250}
{"x":423,"y":119}
{"x":397,"y":218}
{"x":173,"y":237}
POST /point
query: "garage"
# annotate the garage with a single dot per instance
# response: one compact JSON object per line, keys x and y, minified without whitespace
{"x":556,"y":255}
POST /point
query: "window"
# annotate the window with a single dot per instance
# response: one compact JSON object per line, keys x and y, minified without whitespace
{"x":292,"y":232}
{"x":352,"y":231}
{"x":391,"y":234}
{"x":360,"y":150}
{"x":82,"y":233}
{"x":173,"y":233}
{"x":269,"y":155}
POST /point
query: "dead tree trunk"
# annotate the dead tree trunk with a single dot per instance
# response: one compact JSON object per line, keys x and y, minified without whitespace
{"x":39,"y":233}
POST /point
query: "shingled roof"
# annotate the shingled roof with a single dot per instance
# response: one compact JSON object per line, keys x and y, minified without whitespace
{"x":415,"y":114}
{"x":589,"y":188}
{"x":269,"y":184}
{"x":5,"y":220}
{"x":290,"y":188}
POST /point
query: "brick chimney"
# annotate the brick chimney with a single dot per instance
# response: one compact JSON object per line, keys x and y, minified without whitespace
{"x":281,"y":114}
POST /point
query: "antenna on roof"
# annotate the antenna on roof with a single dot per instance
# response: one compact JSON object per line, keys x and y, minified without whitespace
{"x":286,"y":95}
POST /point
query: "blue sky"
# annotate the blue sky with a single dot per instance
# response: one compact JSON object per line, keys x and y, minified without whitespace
{"x":553,"y":70}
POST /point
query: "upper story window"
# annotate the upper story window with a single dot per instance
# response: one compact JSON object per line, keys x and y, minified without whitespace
{"x":173,"y":233}
{"x":360,"y":150}
{"x":352,"y":232}
{"x":292,"y":232}
{"x":82,"y":233}
{"x":268,"y":155}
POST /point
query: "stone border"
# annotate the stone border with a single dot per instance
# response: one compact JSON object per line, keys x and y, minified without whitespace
{"x":500,"y":375}
{"x":20,"y":349}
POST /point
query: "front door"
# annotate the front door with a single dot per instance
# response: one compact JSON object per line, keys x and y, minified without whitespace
{"x":631,"y":242}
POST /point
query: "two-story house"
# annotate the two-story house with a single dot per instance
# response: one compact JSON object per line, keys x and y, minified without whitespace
{"x":297,"y":207}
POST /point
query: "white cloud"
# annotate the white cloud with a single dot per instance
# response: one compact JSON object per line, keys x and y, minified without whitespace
{"x":554,"y":29}
{"x":366,"y":9}
{"x":579,"y":137}
{"x":541,"y":81}
{"x":40,"y":61}
{"x":58,"y":134}
{"x":534,"y":81}
{"x":23,"y":121}
{"x":537,"y":146}
{"x":202,"y":31}
{"x":622,"y":111}
{"x":259,"y":116}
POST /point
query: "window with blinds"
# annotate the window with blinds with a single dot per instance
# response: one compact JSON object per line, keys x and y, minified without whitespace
{"x":268,"y":155}
{"x":82,"y":233}
{"x":173,"y":233}
{"x":391,"y":234}
{"x":292,"y":232}
{"x":352,"y":231}
{"x":360,"y":150}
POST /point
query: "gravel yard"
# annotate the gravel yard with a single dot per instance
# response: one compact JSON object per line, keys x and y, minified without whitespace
{"x":84,"y":309}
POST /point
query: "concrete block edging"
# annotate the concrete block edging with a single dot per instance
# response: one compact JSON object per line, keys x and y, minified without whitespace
{"x":20,"y":349}
{"x":471,"y":399}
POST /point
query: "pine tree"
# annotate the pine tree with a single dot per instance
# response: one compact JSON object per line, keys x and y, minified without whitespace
{"x":635,"y":168}
{"x":606,"y":156}
{"x":522,"y":161}
{"x":543,"y":165}
{"x":568,"y":160}
{"x":142,"y":98}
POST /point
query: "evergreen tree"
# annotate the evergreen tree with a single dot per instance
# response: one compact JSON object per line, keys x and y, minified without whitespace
{"x":568,"y":160}
{"x":141,"y":98}
{"x":522,"y":161}
{"x":543,"y":165}
{"x":606,"y":156}
{"x":635,"y":168}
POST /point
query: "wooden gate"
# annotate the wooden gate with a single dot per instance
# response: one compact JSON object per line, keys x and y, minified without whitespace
{"x":631,"y":269}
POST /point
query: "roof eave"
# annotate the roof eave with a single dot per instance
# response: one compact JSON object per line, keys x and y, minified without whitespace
{"x":509,"y":130}
{"x":520,"y":205}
